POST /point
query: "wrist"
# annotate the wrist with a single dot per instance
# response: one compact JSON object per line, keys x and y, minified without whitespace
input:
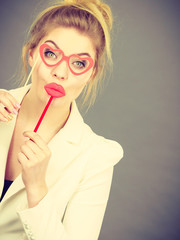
{"x":35,"y":194}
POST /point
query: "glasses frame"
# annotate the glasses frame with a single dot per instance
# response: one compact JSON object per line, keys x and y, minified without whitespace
{"x":65,"y":58}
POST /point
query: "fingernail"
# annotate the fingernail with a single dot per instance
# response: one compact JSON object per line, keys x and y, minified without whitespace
{"x":15,"y":111}
{"x":10,"y":116}
{"x":18,"y":105}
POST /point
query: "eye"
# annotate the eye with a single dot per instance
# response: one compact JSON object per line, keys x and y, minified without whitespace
{"x":49,"y":54}
{"x":79,"y":64}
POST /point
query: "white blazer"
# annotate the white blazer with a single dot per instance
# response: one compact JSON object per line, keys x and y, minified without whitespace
{"x":79,"y":177}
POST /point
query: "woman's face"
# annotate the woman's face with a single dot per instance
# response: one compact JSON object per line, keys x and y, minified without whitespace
{"x":70,"y":41}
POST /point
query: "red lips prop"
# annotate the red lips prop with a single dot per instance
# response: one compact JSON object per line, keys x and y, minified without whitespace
{"x":55,"y":91}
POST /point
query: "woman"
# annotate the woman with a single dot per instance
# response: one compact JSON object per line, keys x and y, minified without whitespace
{"x":57,"y":180}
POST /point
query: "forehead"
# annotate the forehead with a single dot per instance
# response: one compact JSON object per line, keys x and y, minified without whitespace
{"x":70,"y":41}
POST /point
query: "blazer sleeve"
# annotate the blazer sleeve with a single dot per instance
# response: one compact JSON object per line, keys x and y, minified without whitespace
{"x":85,"y":210}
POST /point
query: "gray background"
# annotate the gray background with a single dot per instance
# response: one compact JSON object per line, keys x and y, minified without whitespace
{"x":139,"y":109}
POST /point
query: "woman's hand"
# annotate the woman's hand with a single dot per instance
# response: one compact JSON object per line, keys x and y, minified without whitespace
{"x":8,"y":106}
{"x":34,"y":158}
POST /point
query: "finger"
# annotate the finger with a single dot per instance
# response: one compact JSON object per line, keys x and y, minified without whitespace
{"x":14,"y":102}
{"x":3,"y":119}
{"x":37,"y":139}
{"x":8,"y":106}
{"x":22,"y":159}
{"x":28,"y":153}
{"x":9,"y":102}
{"x":4,"y":114}
{"x":35,"y":149}
{"x":14,"y":111}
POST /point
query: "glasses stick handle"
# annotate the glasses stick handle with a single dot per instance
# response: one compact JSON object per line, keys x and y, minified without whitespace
{"x":43,"y":114}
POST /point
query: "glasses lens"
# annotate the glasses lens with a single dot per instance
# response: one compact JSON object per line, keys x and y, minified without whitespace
{"x":79,"y":65}
{"x":51,"y":57}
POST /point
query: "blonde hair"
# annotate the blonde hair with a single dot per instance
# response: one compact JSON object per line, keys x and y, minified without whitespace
{"x":93,"y":18}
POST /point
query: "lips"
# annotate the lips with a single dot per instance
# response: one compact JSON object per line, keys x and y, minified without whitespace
{"x":55,"y":90}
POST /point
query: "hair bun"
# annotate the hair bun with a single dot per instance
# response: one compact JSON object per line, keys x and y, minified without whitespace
{"x":95,"y":5}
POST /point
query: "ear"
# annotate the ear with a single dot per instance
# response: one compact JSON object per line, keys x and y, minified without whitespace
{"x":31,"y":57}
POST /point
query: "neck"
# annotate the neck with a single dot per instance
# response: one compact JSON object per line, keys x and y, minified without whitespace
{"x":54,"y":119}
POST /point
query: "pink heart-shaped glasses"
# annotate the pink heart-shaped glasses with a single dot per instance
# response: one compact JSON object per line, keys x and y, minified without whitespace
{"x":52,"y":57}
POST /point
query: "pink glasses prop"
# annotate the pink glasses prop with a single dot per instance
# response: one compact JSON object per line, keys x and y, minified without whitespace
{"x":52,"y":57}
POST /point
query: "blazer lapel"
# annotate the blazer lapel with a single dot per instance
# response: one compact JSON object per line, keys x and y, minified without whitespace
{"x":65,"y":147}
{"x":5,"y":140}
{"x":63,"y":154}
{"x":6,"y":130}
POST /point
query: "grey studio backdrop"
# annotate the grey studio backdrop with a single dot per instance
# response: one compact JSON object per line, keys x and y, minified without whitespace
{"x":139,"y":108}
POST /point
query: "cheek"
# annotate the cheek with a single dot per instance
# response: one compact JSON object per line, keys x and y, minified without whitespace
{"x":40,"y":72}
{"x":76,"y":87}
{"x":83,"y":79}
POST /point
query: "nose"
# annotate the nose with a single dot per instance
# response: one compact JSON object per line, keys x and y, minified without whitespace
{"x":60,"y":71}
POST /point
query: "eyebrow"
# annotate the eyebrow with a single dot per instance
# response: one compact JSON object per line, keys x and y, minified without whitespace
{"x":79,"y":54}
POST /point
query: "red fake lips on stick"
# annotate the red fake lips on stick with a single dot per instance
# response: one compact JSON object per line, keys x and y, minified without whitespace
{"x":55,"y":91}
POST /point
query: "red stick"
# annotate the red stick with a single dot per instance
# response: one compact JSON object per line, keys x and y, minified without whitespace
{"x":43,"y":113}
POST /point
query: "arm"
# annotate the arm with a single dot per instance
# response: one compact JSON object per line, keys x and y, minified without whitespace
{"x":85,"y":211}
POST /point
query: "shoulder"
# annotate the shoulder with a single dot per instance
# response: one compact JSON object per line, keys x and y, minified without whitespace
{"x":100,"y":155}
{"x":100,"y":149}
